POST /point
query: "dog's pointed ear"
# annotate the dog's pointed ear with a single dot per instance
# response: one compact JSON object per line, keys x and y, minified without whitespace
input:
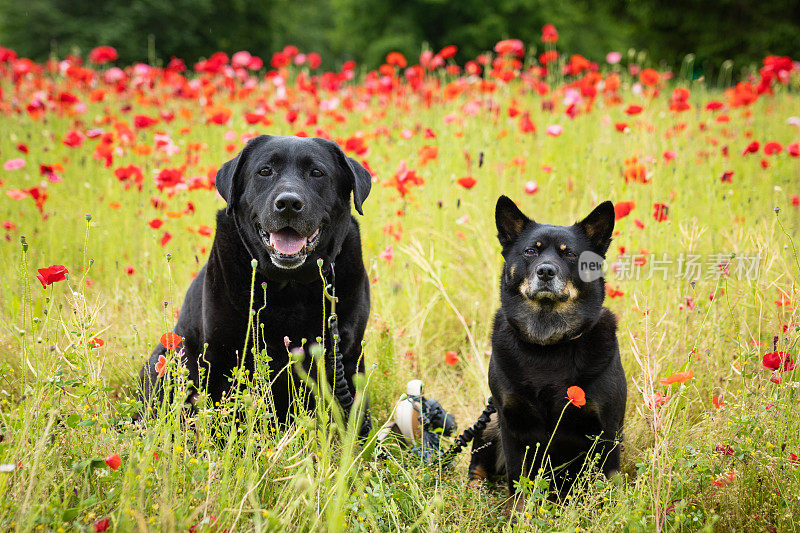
{"x":361,"y":179}
{"x":599,"y":225}
{"x":228,"y":180}
{"x":511,"y":222}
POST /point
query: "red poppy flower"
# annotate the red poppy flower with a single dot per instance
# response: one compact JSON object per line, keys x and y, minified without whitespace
{"x":467,"y":182}
{"x":451,"y":357}
{"x":549,"y":34}
{"x":655,"y":400}
{"x":52,"y":274}
{"x":774,"y":361}
{"x":680,"y":97}
{"x":7,"y":55}
{"x":114,"y":461}
{"x":404,"y":179}
{"x":387,"y":254}
{"x":772,"y":148}
{"x":649,"y":77}
{"x":623,"y":209}
{"x":752,"y":148}
{"x":218,"y":115}
{"x":280,"y":59}
{"x":169,"y":177}
{"x":73,"y":139}
{"x":132,"y":174}
{"x":660,"y":212}
{"x":678,"y":377}
{"x":39,"y":196}
{"x":161,"y":365}
{"x":717,"y":402}
{"x":633,"y":110}
{"x":510,"y":47}
{"x":724,"y":480}
{"x":526,"y":125}
{"x":397,"y":59}
{"x":725,"y":449}
{"x":548,"y":57}
{"x":793,"y":149}
{"x":171,"y":340}
{"x":622,"y":127}
{"x":102,"y":525}
{"x":96,"y":343}
{"x":576,"y":396}
{"x":448,"y":51}
{"x":613,"y":293}
{"x":795,"y":199}
{"x":727,"y":177}
{"x":143,"y":121}
{"x":427,"y":153}
{"x":103,"y":54}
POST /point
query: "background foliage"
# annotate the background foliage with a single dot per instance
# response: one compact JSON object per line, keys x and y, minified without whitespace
{"x":365,"y":30}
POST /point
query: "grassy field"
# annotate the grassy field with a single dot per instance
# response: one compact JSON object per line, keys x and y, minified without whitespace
{"x":704,"y":279}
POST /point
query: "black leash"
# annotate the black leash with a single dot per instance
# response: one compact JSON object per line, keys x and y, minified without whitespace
{"x":468,"y":434}
{"x":335,"y":364}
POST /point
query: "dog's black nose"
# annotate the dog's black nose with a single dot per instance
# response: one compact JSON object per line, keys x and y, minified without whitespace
{"x":288,"y":201}
{"x":546,"y":271}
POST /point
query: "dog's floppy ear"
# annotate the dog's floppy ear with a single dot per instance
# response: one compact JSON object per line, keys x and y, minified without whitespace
{"x":361,"y":180}
{"x":228,"y":180}
{"x":362,"y":183}
{"x":510,"y":221}
{"x":599,"y":226}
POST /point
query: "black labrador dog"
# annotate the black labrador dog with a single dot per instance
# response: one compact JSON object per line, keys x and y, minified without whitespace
{"x":288,"y":206}
{"x":550,"y":333}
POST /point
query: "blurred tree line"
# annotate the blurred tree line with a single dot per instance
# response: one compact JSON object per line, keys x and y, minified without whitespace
{"x":365,"y":30}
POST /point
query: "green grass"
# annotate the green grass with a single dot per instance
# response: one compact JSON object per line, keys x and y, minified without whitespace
{"x":65,"y":406}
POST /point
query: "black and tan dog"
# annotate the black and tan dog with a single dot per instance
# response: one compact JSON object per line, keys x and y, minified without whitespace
{"x":550,"y":333}
{"x":288,"y":205}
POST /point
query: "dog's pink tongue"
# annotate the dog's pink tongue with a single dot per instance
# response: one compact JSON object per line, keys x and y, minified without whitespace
{"x":287,"y":241}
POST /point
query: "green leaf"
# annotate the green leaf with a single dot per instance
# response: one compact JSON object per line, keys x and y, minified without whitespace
{"x":72,"y":420}
{"x":79,"y":466}
{"x":97,"y":462}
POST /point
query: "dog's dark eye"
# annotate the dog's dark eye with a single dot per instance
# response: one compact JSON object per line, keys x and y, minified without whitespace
{"x":317,"y":173}
{"x":266,"y":171}
{"x":531,"y":252}
{"x":569,"y":254}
